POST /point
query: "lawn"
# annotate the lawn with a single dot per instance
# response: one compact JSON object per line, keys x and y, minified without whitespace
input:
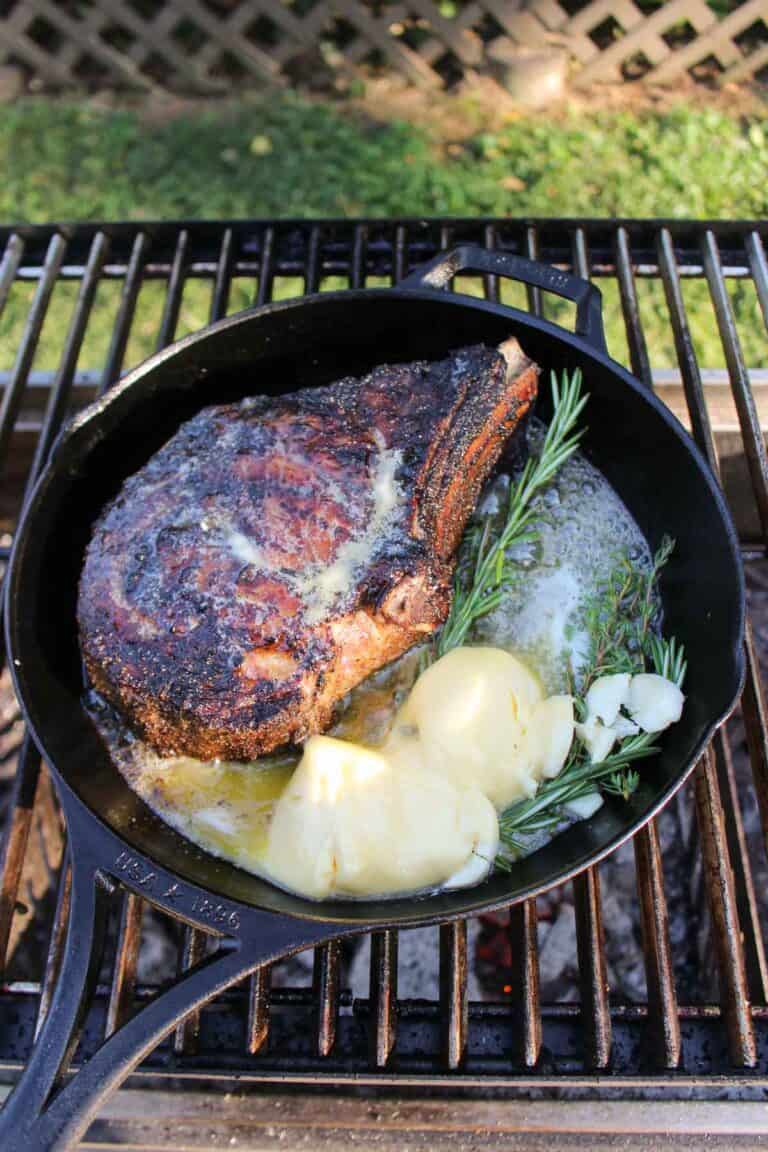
{"x":286,"y":156}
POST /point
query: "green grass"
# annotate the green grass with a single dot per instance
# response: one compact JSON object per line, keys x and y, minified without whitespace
{"x":284,"y":156}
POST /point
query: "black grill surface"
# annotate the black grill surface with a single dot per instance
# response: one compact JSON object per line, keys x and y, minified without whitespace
{"x":79,"y":305}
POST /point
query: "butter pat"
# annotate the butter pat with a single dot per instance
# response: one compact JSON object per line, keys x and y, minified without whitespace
{"x":362,"y":822}
{"x":471,"y":710}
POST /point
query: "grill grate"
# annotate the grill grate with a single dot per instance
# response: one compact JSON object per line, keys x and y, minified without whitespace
{"x":321,"y":1033}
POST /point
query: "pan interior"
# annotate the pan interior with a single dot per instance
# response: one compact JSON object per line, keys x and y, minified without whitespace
{"x":639,"y":448}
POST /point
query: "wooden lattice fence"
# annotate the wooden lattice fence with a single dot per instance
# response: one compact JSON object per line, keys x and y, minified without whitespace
{"x":209,"y":46}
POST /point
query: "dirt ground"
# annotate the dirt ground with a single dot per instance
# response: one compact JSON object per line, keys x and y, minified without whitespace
{"x":478,"y":104}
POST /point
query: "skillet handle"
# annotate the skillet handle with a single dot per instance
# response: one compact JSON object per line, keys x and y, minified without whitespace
{"x":46,"y":1112}
{"x":438,"y":272}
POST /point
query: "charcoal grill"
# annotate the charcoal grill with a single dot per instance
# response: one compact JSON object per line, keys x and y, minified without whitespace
{"x":642,"y":1059}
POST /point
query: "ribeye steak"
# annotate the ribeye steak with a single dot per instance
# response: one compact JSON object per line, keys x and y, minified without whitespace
{"x":275,"y":552}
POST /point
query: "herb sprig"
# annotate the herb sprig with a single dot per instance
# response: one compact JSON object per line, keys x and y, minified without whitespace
{"x":621,"y":619}
{"x":485,"y":571}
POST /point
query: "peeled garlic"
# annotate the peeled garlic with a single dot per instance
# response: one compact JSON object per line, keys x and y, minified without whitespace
{"x":606,"y":696}
{"x":584,"y":806}
{"x":654,"y":702}
{"x":624,"y":727}
{"x":597,"y":738}
{"x":476,"y":868}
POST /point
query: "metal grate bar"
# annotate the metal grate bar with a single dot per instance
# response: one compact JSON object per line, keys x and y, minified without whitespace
{"x":357,"y":264}
{"x":733,"y":822}
{"x":326,"y":974}
{"x":257,"y":1032}
{"x":312,"y":274}
{"x":14,"y":250}
{"x":400,"y":262}
{"x":223,"y":281}
{"x":454,"y":1003}
{"x":13,"y":847}
{"x":523,"y":918}
{"x":60,"y":393}
{"x":122,"y":328}
{"x":590,"y":944}
{"x":532,"y":251}
{"x":580,"y":258}
{"x":759,"y":268}
{"x":722,"y":904}
{"x":383,"y":996}
{"x":193,"y":950}
{"x":523,"y":931}
{"x":490,"y":282}
{"x":126,"y":959}
{"x":756,"y":725}
{"x":14,"y":844}
{"x":56,"y":942}
{"x":29,"y":341}
{"x":173,"y":295}
{"x":746,"y":899}
{"x":664,"y":1024}
{"x":686,"y":356}
{"x":266,"y":268}
{"x":663,"y":1020}
{"x":754,"y":444}
{"x":327,"y":959}
{"x":638,"y":349}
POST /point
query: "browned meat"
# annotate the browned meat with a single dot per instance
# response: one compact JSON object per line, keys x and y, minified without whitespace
{"x":275,"y":552}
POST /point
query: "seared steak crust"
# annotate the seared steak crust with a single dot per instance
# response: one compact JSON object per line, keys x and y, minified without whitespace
{"x":275,"y":552}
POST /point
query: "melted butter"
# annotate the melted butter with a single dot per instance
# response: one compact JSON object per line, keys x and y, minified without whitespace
{"x":244,"y":549}
{"x":224,"y":807}
{"x":321,"y":587}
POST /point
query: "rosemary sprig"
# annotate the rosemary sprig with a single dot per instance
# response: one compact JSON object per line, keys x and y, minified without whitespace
{"x":667,"y":657}
{"x":484,"y":571}
{"x":543,"y":812}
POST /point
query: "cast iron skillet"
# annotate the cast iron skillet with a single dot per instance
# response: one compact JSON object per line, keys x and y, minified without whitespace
{"x":113,"y":836}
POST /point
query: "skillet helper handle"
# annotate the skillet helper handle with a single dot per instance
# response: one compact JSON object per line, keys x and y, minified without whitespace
{"x":46,"y":1112}
{"x":438,"y":272}
{"x":60,"y":1029}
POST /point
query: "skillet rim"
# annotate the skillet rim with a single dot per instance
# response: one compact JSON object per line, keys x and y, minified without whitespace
{"x":333,"y":913}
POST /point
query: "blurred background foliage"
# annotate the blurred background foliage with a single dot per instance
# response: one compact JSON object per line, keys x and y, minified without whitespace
{"x":282,"y":155}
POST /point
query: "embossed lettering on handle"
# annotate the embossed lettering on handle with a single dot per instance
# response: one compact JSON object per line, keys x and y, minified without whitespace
{"x":175,"y":895}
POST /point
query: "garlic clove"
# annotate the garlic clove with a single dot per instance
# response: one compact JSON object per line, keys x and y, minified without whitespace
{"x":584,"y":806}
{"x":624,"y":727}
{"x":607,"y":696}
{"x":654,"y":702}
{"x":476,"y":868}
{"x":598,"y":739}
